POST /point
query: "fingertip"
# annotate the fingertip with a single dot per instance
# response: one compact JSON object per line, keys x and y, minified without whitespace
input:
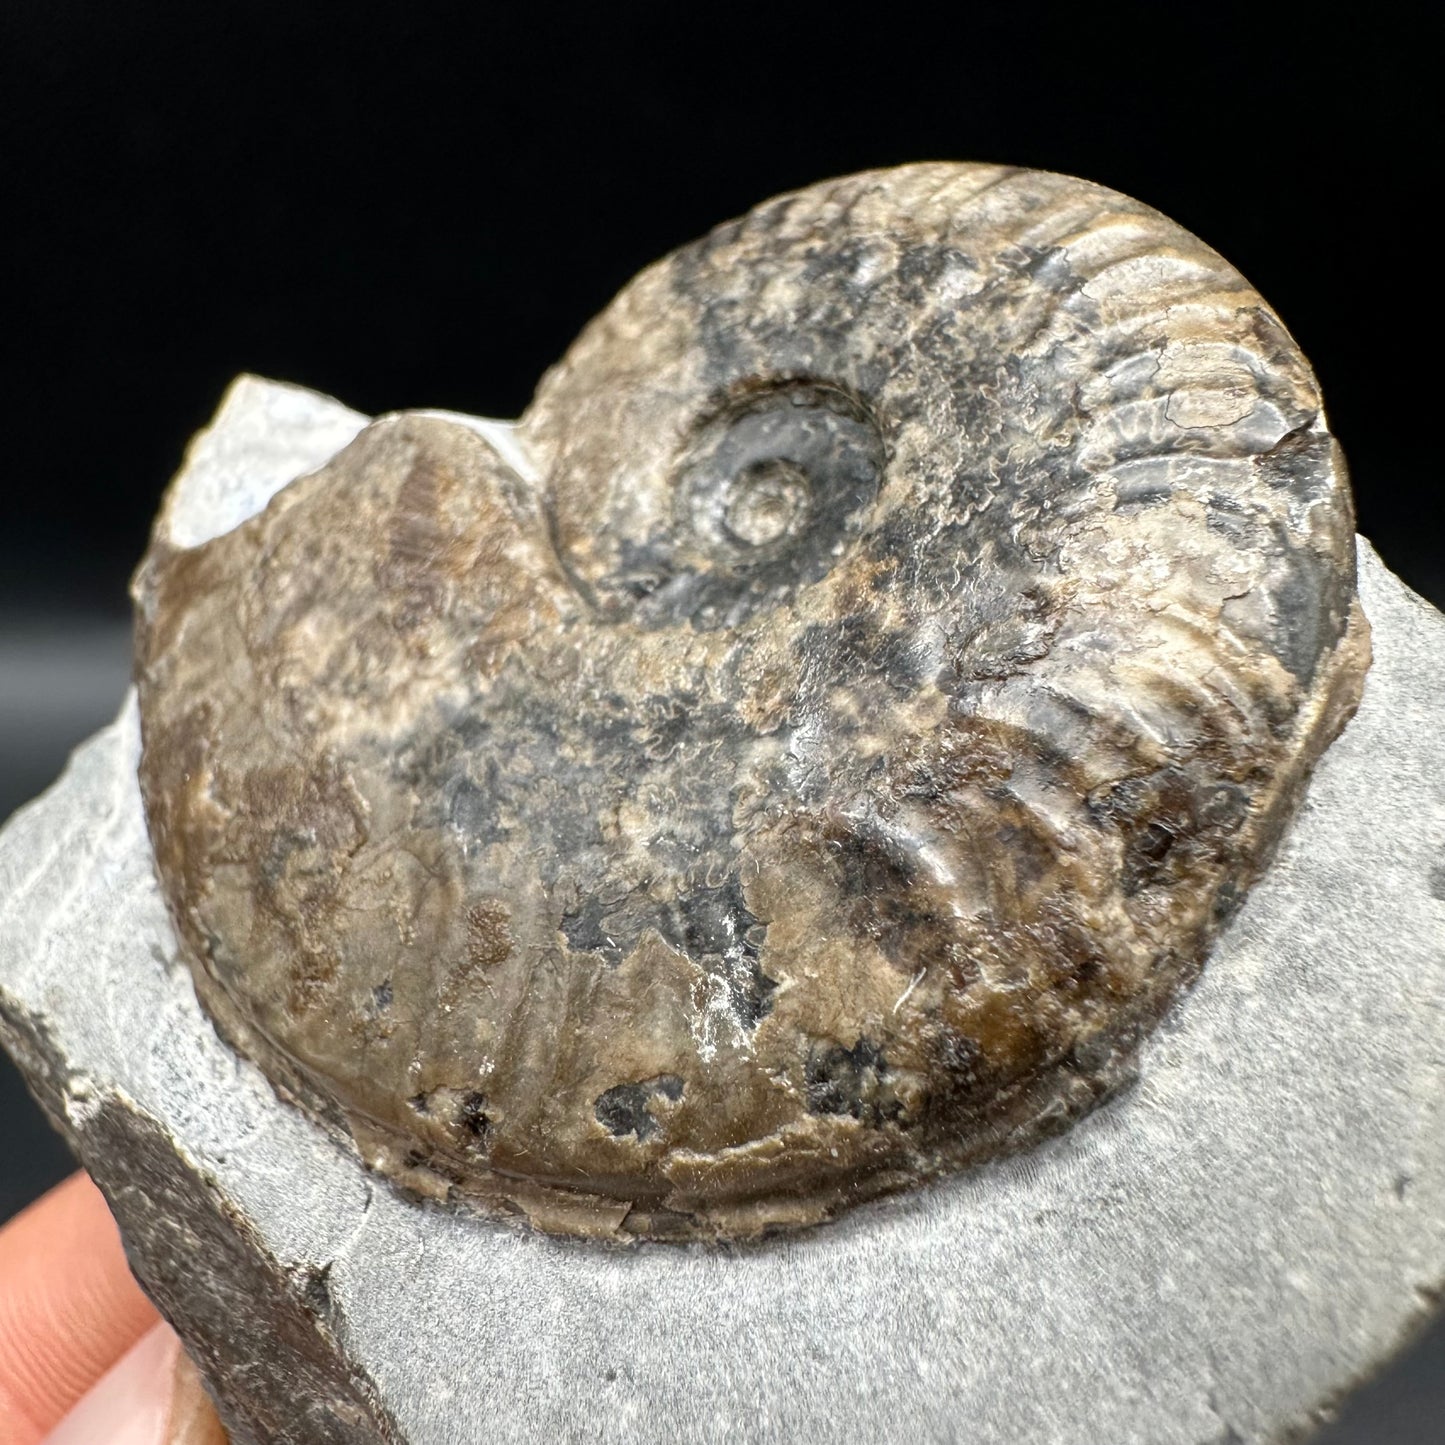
{"x":69,"y":1307}
{"x":151,"y":1396}
{"x":131,"y":1404}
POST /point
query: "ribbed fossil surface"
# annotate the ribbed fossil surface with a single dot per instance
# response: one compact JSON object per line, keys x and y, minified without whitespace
{"x":814,"y":770}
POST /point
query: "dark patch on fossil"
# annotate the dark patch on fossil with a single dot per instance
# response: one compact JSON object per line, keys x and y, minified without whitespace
{"x":882,"y":895}
{"x":1226,"y":902}
{"x":1437,"y":882}
{"x":1302,"y":596}
{"x":315,"y":1289}
{"x":858,"y":646}
{"x":587,"y":929}
{"x":1153,"y":811}
{"x":924,"y":268}
{"x":472,"y":1114}
{"x":461,"y":1112}
{"x":715,"y":928}
{"x":715,"y":923}
{"x":1298,"y":461}
{"x":624,"y":1108}
{"x":472,"y":810}
{"x":749,"y":990}
{"x":854,"y":1081}
{"x":1145,"y":854}
{"x":712,"y":926}
{"x":914,"y":638}
{"x":1092,"y":1053}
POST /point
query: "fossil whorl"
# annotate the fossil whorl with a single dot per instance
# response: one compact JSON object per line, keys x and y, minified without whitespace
{"x":813,"y":759}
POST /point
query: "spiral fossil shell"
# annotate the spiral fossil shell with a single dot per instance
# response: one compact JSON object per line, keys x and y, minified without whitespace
{"x":813,"y":761}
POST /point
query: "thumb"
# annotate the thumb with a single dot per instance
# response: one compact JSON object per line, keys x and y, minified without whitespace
{"x":151,"y":1396}
{"x":69,"y":1308}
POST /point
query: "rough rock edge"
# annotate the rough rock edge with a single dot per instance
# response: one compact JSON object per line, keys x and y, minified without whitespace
{"x":270,"y":1344}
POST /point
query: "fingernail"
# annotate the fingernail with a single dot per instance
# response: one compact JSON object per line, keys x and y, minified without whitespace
{"x":150,"y":1396}
{"x":131,"y":1403}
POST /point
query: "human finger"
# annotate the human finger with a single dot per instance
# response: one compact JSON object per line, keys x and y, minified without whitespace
{"x":151,"y":1396}
{"x":69,"y":1307}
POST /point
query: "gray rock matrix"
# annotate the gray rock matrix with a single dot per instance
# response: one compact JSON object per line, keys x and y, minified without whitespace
{"x":1216,"y":1255}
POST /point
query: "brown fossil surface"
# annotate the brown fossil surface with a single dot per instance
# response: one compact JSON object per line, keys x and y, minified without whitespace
{"x":819,"y":767}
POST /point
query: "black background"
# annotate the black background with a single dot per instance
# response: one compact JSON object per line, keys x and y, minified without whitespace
{"x":421,"y":205}
{"x":408,"y":206}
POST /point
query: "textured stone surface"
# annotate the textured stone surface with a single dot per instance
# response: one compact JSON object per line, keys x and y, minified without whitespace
{"x":811,"y":758}
{"x":1210,"y":1258}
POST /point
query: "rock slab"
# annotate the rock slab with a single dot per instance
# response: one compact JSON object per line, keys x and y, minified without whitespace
{"x":1215,"y":1257}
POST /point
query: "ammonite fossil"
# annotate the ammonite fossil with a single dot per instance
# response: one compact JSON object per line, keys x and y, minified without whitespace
{"x":812,"y":759}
